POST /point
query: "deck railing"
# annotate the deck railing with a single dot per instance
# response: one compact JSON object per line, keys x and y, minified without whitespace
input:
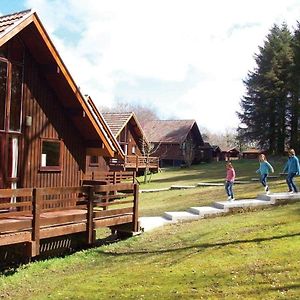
{"x":41,"y":213}
{"x":110,"y":177}
{"x":136,"y":162}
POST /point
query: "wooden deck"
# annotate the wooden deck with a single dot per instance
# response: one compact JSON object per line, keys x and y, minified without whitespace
{"x":44,"y":213}
{"x":137,"y":163}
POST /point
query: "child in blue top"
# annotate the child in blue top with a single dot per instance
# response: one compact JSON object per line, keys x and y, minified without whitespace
{"x":292,"y":168}
{"x":264,"y":169}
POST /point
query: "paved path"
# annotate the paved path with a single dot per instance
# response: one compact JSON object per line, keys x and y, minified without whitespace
{"x":218,"y":208}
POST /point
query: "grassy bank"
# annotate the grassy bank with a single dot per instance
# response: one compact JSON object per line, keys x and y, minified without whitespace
{"x":251,"y":256}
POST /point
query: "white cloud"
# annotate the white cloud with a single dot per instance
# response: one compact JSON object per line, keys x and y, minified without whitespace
{"x":106,"y":44}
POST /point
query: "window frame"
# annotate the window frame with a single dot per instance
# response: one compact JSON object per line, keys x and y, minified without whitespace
{"x":94,"y":164}
{"x":50,"y":168}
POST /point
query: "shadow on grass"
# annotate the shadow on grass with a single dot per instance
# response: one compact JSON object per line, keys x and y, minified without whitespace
{"x":200,"y":246}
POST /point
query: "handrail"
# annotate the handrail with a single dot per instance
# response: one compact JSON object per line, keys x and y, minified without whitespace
{"x":34,"y":202}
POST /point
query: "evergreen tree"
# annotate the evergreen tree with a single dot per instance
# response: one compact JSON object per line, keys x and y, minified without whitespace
{"x":265,"y":105}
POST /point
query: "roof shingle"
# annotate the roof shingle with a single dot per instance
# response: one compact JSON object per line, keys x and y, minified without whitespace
{"x":116,"y":121}
{"x":168,"y":131}
{"x":9,"y":20}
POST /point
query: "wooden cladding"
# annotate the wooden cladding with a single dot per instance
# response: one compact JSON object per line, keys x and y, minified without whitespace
{"x":49,"y":122}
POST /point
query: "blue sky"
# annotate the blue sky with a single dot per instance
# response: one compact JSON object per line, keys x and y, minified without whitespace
{"x":184,"y":58}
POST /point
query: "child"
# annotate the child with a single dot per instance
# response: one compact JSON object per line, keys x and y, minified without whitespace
{"x":264,"y":169}
{"x":292,"y":167}
{"x":230,"y":176}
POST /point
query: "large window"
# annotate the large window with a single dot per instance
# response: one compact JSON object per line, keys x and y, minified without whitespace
{"x":11,"y":78}
{"x":3,"y":80}
{"x":50,"y":155}
{"x":15,"y":99}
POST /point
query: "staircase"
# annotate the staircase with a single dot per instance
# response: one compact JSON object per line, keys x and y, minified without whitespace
{"x":218,"y":208}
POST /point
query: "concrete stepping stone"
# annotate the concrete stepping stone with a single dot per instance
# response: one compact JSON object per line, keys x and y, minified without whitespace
{"x":205,"y":211}
{"x":182,"y":187}
{"x":149,"y":223}
{"x":210,"y":184}
{"x":155,"y":190}
{"x":240,"y":203}
{"x":180,"y":215}
{"x":280,"y":197}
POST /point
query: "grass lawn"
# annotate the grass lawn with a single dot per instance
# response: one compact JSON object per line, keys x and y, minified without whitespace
{"x":253,"y":255}
{"x":154,"y":204}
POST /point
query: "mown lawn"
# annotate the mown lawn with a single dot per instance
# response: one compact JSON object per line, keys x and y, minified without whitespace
{"x":253,"y":255}
{"x":152,"y":204}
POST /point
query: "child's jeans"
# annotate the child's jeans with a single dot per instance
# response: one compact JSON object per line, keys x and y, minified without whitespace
{"x":290,"y":182}
{"x":263,"y":179}
{"x":228,"y":188}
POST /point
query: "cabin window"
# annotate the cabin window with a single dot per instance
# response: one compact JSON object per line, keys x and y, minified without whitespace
{"x":3,"y":79}
{"x":133,"y":150}
{"x":94,"y":161}
{"x":50,"y":155}
{"x":11,"y":78}
{"x":15,"y":99}
{"x":4,"y":51}
{"x":123,"y":135}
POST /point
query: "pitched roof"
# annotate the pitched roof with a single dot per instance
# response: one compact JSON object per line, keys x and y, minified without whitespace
{"x":117,"y":121}
{"x":27,"y":25}
{"x":170,"y":131}
{"x":9,"y":20}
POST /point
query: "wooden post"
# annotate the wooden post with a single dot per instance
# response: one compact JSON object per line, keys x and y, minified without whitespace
{"x":133,"y":176}
{"x":36,"y":214}
{"x":135,"y":218}
{"x":115,"y":177}
{"x":137,"y":163}
{"x":90,"y":216}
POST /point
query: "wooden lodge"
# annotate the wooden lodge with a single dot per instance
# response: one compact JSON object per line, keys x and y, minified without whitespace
{"x":131,"y":138}
{"x":230,"y":154}
{"x":47,"y":128}
{"x":252,"y":153}
{"x":175,"y":140}
{"x":216,"y":153}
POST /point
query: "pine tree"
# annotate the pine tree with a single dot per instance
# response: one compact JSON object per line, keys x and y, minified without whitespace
{"x":265,"y":105}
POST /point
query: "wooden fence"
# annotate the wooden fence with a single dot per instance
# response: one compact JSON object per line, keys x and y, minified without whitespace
{"x":42,"y":213}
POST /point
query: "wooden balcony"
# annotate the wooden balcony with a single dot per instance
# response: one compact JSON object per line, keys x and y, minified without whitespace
{"x":42,"y":213}
{"x":137,"y":163}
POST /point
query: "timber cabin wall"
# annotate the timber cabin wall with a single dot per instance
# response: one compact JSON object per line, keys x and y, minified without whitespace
{"x":129,"y":137}
{"x":172,"y":153}
{"x":101,"y":164}
{"x":49,"y":121}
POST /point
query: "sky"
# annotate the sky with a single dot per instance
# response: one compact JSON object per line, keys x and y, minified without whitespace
{"x":185,"y":59}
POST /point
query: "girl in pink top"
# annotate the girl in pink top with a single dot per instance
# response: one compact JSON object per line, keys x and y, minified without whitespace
{"x":230,"y":176}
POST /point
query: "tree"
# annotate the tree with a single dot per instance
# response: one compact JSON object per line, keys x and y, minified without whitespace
{"x":188,"y":150}
{"x":268,"y":92}
{"x":143,"y":113}
{"x":147,"y":149}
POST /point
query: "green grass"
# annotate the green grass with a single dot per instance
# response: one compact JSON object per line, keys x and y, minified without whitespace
{"x":153,"y":204}
{"x":253,"y":255}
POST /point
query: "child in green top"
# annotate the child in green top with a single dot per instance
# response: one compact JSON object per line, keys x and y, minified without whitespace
{"x":264,"y":169}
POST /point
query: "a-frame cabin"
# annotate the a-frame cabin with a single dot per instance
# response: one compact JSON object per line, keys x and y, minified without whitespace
{"x":133,"y":141}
